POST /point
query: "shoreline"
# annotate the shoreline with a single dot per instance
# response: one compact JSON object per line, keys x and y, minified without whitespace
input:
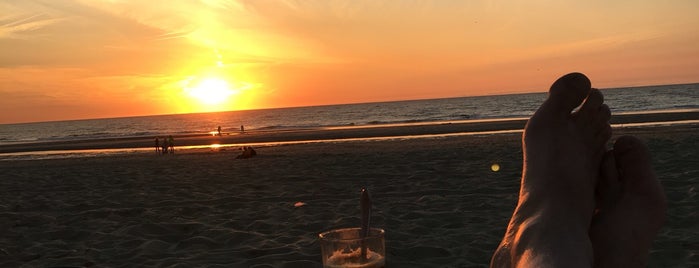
{"x":619,"y":130}
{"x":682,"y":119}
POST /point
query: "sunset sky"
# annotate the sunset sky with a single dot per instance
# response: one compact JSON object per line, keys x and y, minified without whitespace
{"x":62,"y":59}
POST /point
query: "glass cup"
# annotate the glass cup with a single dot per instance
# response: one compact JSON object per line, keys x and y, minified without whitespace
{"x":343,"y":248}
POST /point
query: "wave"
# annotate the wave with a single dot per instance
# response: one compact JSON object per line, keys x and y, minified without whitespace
{"x":688,"y":106}
{"x":102,"y":136}
{"x":18,"y":140}
{"x":286,"y":127}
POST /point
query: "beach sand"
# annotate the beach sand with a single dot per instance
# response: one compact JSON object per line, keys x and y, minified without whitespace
{"x":437,"y":198}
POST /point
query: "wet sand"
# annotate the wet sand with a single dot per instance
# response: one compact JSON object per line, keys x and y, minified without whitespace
{"x":437,"y":198}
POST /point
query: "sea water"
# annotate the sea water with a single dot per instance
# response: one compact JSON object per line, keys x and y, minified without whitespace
{"x":622,"y":100}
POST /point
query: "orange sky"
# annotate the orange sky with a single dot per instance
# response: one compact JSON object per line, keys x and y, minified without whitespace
{"x":91,"y":59}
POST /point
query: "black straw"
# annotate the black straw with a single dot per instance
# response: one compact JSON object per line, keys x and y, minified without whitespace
{"x":365,"y":204}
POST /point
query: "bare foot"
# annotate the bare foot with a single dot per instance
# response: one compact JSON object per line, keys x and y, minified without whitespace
{"x":563,"y":151}
{"x":631,"y":207}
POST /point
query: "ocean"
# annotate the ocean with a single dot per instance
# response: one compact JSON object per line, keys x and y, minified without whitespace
{"x":621,"y":100}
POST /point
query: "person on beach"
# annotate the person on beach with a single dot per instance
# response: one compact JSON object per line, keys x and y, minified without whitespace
{"x":219,"y":130}
{"x":157,"y":145}
{"x":171,"y":144}
{"x":242,"y":129}
{"x":164,"y":146}
{"x":248,"y":152}
{"x":580,"y":205}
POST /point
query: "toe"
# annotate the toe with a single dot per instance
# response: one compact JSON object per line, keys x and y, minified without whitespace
{"x":632,"y":157}
{"x":605,"y":114}
{"x":593,"y":118}
{"x":567,"y":93}
{"x":601,"y":123}
{"x":608,"y":188}
{"x":635,"y":170}
{"x":638,"y":179}
{"x":589,"y":112}
{"x":590,"y":108}
{"x":603,"y":136}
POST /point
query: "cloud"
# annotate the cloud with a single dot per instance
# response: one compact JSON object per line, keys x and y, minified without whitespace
{"x":18,"y":25}
{"x":70,"y":34}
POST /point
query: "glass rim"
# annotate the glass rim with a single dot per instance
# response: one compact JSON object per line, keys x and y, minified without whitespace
{"x":373,"y":233}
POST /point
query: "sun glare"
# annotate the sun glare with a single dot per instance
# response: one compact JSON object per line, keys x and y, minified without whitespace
{"x":211,"y":91}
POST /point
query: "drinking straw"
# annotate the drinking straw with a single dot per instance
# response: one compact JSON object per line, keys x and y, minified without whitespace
{"x":365,"y":204}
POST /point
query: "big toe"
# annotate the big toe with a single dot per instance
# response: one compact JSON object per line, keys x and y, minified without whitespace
{"x":636,"y":173}
{"x":566,"y":93}
{"x":633,"y":160}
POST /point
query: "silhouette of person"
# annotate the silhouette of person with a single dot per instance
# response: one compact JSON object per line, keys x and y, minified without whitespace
{"x":157,"y":145}
{"x":171,"y":144}
{"x":219,"y":130}
{"x":248,"y":152}
{"x":164,"y":146}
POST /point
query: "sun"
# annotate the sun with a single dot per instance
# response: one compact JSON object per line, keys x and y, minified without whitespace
{"x":211,"y":91}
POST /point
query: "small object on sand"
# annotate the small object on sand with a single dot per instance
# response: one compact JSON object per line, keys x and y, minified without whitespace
{"x":495,"y":167}
{"x":299,"y":204}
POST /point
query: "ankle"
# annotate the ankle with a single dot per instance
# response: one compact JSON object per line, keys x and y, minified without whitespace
{"x":568,"y":207}
{"x":545,"y":239}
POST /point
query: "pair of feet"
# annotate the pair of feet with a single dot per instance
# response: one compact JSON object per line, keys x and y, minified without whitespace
{"x":579,"y":204}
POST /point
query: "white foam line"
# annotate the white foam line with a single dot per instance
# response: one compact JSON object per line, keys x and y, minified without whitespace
{"x":664,"y":123}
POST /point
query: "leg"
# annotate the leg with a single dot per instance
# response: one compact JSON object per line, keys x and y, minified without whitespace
{"x":563,"y":151}
{"x":631,"y":207}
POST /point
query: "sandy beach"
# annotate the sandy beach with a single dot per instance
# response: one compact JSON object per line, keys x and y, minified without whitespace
{"x":437,"y":198}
